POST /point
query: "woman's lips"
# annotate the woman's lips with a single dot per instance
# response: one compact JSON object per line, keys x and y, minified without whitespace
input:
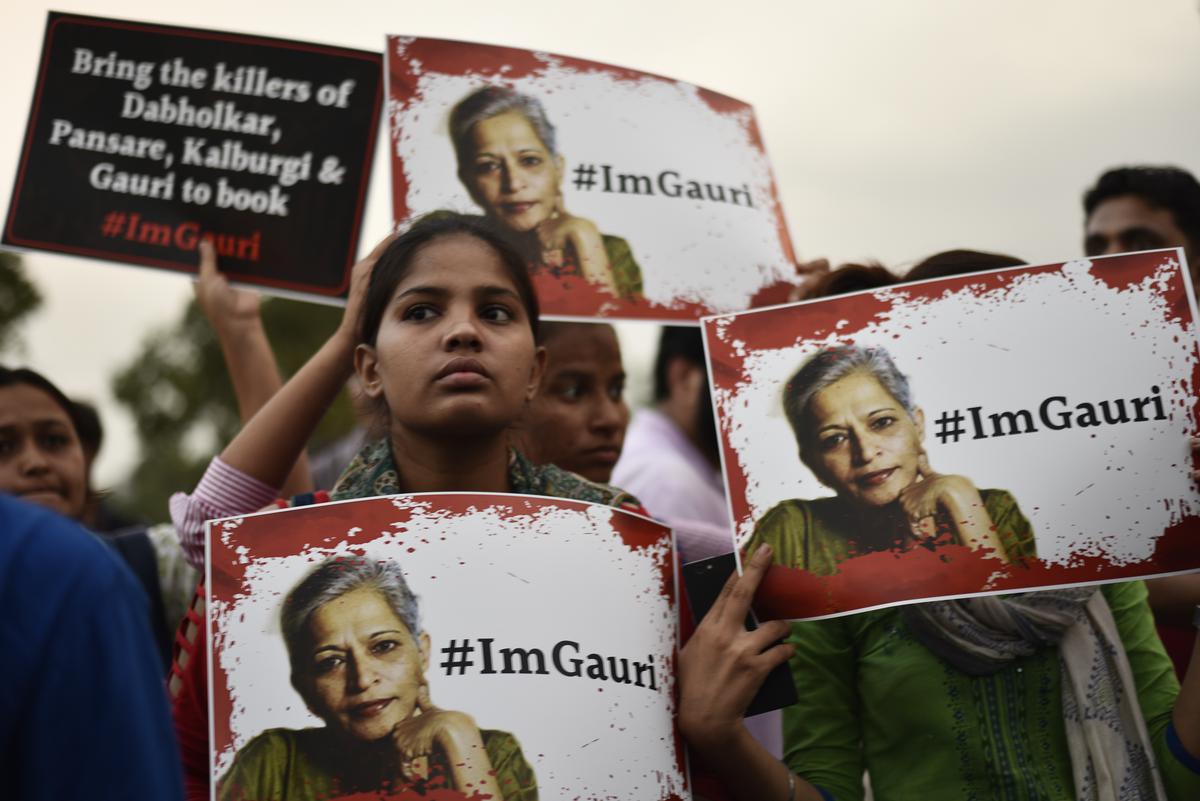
{"x":514,"y":209}
{"x":371,"y":709}
{"x":607,"y":455}
{"x":874,"y":479}
{"x":462,"y":373}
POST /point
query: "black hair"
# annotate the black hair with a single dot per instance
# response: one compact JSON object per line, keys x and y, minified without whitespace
{"x":88,"y":426}
{"x":10,"y":377}
{"x":959,"y":262}
{"x":852,"y":278}
{"x":676,"y":342}
{"x":1169,"y":188}
{"x":396,"y":261}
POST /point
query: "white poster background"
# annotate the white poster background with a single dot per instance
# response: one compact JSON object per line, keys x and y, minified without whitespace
{"x":1106,"y":491}
{"x":711,"y":253}
{"x":527,"y":581}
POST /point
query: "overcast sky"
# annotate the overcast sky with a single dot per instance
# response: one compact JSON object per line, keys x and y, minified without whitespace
{"x":896,"y":129}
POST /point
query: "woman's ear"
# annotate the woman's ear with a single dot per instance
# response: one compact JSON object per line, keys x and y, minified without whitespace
{"x":559,"y":166}
{"x":366,"y":367}
{"x":423,"y":646}
{"x":535,"y":373}
{"x":919,"y":420}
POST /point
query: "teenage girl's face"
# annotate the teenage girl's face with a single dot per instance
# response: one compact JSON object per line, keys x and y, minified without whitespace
{"x":455,"y":354}
{"x":41,"y":459}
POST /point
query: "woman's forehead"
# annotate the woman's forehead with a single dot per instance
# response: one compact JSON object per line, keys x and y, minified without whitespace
{"x":361,"y":609}
{"x":25,"y":403}
{"x":455,"y":261}
{"x":510,"y":128}
{"x":858,"y":392}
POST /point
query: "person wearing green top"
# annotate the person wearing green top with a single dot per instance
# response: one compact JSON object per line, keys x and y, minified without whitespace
{"x":860,"y":433}
{"x":508,"y":160}
{"x":358,"y":659}
{"x":1061,"y":694}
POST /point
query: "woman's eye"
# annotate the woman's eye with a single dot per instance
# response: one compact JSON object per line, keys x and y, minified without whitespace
{"x":571,"y":392}
{"x":328,"y":664}
{"x":55,"y":442}
{"x":616,"y":390}
{"x":497,"y":314}
{"x":419,"y":312}
{"x":384,"y":646}
{"x":880,"y":423}
{"x":832,"y":441}
{"x":8,"y":446}
{"x":531,"y":161}
{"x":484,"y":167}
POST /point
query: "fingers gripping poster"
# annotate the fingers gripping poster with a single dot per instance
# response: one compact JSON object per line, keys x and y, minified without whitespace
{"x":627,"y":194}
{"x":443,"y":646}
{"x":1008,"y":430}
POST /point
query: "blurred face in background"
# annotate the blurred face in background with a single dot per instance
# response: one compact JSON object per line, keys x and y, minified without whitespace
{"x":577,"y":420}
{"x":1128,"y":223}
{"x":41,"y":459}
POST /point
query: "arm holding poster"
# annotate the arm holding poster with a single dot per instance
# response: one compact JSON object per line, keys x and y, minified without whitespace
{"x":235,"y":318}
{"x":720,"y":669}
{"x":861,"y":433}
{"x":852,"y":669}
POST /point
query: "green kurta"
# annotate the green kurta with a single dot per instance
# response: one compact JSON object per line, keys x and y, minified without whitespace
{"x":303,"y":765}
{"x":872,"y":697}
{"x":819,"y":535}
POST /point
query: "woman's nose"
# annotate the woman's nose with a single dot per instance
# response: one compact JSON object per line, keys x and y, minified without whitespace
{"x":512,"y":178}
{"x":863,"y":447}
{"x":608,"y":414}
{"x":462,"y":333}
{"x":33,"y":461}
{"x":360,"y":675}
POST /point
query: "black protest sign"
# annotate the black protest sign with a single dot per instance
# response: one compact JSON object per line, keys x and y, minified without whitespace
{"x":143,"y":139}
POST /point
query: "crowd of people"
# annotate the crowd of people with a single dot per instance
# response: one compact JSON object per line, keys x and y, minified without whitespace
{"x":1058,"y":694}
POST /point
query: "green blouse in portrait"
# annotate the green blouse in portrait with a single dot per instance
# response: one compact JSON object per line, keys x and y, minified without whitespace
{"x":818,"y":535}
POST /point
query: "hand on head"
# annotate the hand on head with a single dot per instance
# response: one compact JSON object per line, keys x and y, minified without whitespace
{"x":360,"y":280}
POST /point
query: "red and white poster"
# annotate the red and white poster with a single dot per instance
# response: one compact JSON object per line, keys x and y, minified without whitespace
{"x":628,"y":194}
{"x":444,"y":646}
{"x":1008,"y":430}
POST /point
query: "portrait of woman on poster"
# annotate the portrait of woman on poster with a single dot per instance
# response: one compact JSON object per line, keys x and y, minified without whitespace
{"x":861,"y":434}
{"x":358,"y":659}
{"x":509,"y":162}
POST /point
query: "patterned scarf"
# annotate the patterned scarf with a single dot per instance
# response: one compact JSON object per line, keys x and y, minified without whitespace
{"x":373,"y":472}
{"x":1111,"y":756}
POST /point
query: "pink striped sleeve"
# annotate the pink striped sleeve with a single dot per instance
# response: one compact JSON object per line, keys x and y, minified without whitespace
{"x":223,"y":491}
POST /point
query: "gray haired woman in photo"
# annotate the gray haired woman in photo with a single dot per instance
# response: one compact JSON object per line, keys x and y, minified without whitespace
{"x":861,"y":434}
{"x":358,"y":660}
{"x":509,"y":162}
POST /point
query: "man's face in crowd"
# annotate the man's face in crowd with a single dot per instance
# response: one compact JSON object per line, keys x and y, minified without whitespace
{"x":1127,"y":222}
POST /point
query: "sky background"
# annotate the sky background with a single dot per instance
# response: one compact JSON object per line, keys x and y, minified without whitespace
{"x":897,"y":130}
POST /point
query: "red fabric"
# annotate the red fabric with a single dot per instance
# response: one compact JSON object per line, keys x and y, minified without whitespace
{"x":1178,"y":641}
{"x":189,"y":706}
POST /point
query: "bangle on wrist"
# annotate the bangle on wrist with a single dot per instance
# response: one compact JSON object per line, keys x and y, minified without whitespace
{"x":791,"y":791}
